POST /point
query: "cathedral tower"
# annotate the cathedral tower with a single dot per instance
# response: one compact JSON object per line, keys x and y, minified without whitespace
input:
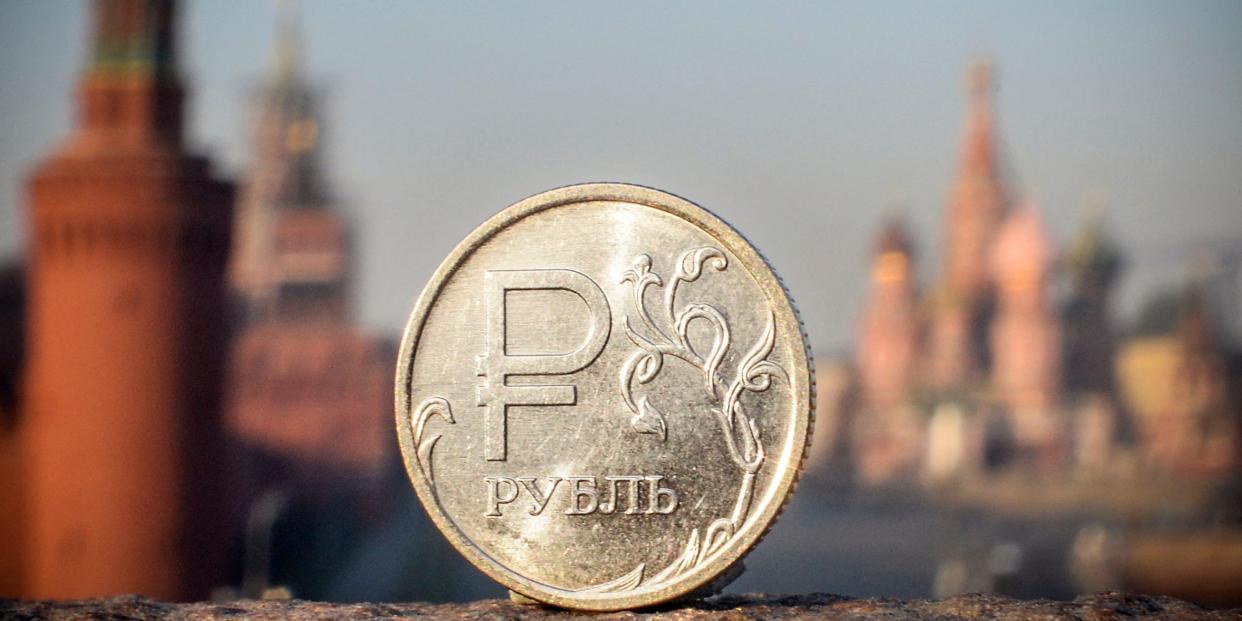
{"x":1025,"y":335}
{"x":978,"y":200}
{"x":1094,"y":263}
{"x":889,"y":340}
{"x":129,"y":238}
{"x":977,"y":203}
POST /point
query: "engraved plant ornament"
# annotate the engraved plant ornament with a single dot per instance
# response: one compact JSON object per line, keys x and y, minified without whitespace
{"x":669,"y":336}
{"x":432,"y":406}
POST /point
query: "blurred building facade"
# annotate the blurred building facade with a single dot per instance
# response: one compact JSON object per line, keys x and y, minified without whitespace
{"x":118,"y":422}
{"x":1176,"y":379}
{"x":987,"y":371}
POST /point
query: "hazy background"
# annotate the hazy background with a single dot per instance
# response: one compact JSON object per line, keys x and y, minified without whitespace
{"x":800,"y":123}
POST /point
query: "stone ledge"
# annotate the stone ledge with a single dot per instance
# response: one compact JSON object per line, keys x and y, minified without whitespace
{"x":750,"y":606}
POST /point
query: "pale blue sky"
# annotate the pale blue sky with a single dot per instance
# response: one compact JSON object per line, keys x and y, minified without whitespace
{"x":800,"y":123}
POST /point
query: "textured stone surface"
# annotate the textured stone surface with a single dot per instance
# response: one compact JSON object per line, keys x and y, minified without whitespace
{"x":752,"y":606}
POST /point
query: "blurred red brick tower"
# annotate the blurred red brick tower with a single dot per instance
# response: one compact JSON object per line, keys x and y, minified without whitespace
{"x":978,"y":201}
{"x":129,"y":239}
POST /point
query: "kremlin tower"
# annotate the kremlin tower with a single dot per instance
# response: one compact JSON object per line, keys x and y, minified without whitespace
{"x":291,"y":254}
{"x":307,"y":389}
{"x":129,"y":237}
{"x":309,"y":411}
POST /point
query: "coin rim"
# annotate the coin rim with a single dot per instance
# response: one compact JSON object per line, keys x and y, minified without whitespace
{"x":788,"y":319}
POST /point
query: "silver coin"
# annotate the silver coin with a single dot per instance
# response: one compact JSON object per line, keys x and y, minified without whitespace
{"x":604,"y":396}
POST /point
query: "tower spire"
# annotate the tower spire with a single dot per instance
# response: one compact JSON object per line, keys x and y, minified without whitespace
{"x":288,"y":43}
{"x":287,"y":201}
{"x":130,"y":92}
{"x":134,"y":37}
{"x":979,"y":151}
{"x":981,"y":78}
